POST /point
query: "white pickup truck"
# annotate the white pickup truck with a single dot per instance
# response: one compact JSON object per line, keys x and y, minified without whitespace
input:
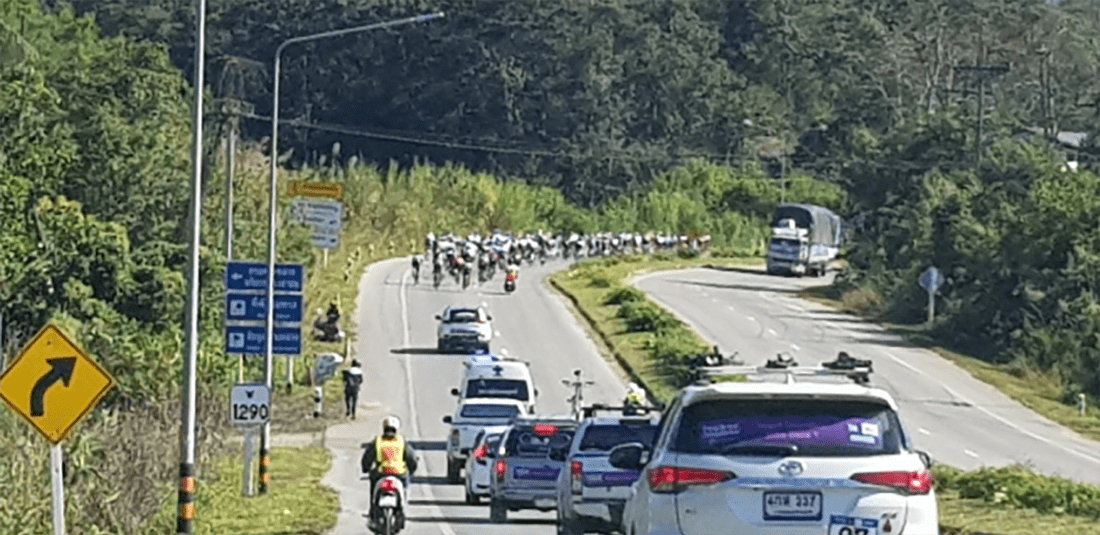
{"x":473,"y":415}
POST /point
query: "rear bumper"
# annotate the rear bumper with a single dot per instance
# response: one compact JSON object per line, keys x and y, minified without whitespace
{"x":528,"y":499}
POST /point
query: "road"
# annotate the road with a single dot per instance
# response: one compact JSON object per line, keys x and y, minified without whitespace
{"x":956,"y":418}
{"x":404,"y":376}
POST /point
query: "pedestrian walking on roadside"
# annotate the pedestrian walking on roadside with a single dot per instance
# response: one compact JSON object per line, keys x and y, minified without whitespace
{"x":353,"y":379}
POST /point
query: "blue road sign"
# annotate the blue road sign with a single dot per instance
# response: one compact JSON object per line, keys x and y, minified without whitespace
{"x":931,"y":279}
{"x":289,"y":278}
{"x":253,"y":307}
{"x":251,"y":340}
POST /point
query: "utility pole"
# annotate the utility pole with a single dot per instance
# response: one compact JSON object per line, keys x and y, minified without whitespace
{"x":981,"y":74}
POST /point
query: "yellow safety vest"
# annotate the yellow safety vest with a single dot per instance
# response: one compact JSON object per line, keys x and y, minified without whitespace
{"x":635,"y":398}
{"x":390,"y":455}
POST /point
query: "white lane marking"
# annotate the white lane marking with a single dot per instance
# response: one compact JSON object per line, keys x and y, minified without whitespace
{"x":496,"y":333}
{"x":795,"y":347}
{"x":923,"y":431}
{"x":970,"y":453}
{"x":435,"y":510}
{"x":715,"y":299}
{"x":751,"y":318}
{"x":772,"y":332}
{"x":993,"y":415}
{"x":794,"y":307}
{"x":731,"y":308}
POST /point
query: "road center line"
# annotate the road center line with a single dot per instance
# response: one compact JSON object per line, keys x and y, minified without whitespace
{"x":991,"y":414}
{"x":970,"y":453}
{"x":923,"y":431}
{"x":407,"y":335}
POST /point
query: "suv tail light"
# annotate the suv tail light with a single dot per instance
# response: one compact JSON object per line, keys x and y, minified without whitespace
{"x":500,"y":468}
{"x":576,"y":470}
{"x":672,"y":479}
{"x":545,"y":430}
{"x":481,"y":452}
{"x":907,"y":482}
{"x":387,"y":486}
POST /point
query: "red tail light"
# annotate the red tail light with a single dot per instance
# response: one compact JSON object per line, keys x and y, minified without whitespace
{"x":671,"y":479}
{"x":576,"y":470}
{"x":907,"y":482}
{"x":500,"y":468}
{"x":481,"y":452}
{"x":387,"y":486}
{"x":546,"y":430}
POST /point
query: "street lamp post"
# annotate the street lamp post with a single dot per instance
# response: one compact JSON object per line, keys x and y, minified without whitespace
{"x":265,"y":436}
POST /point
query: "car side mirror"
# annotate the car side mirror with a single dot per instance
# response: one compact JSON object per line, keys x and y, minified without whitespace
{"x":447,"y":419}
{"x":627,"y":456}
{"x":454,"y":392}
{"x":490,"y":318}
{"x":438,"y":317}
{"x":536,"y":392}
{"x":926,"y":458}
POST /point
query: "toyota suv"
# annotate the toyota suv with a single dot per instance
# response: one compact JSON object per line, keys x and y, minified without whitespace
{"x":791,"y":459}
{"x":473,"y":415}
{"x":524,"y":475}
{"x":591,"y":492}
{"x":465,"y":329}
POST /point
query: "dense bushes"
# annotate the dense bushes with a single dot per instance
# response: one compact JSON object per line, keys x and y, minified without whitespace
{"x":1019,"y":487}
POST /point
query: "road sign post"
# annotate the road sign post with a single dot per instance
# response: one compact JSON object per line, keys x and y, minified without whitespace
{"x":52,"y":384}
{"x":931,"y":280}
{"x":249,"y":410}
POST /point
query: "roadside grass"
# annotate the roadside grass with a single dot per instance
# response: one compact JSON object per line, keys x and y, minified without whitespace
{"x":296,"y":503}
{"x":633,"y":351}
{"x":1036,"y":390}
{"x":957,"y":515}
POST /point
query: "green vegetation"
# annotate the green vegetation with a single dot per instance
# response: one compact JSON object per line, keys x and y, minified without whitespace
{"x":296,"y":503}
{"x":1002,"y":501}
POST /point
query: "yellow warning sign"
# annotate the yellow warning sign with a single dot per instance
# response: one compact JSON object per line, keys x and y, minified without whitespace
{"x":53,"y":384}
{"x":330,"y":190}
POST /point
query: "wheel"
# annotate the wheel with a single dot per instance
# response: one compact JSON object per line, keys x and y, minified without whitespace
{"x":497,"y":512}
{"x":567,"y":525}
{"x":441,"y":346}
{"x":388,"y":525}
{"x":472,"y":499}
{"x":454,"y":471}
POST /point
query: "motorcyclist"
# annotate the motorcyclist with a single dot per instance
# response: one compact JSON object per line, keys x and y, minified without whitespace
{"x":416,"y":268}
{"x":635,"y":398}
{"x":388,"y":455}
{"x":333,"y":314}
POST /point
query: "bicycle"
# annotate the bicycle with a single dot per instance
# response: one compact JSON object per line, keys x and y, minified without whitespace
{"x":576,"y":402}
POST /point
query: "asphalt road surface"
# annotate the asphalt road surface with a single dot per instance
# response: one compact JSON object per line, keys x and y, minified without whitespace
{"x":956,"y":418}
{"x":404,"y":376}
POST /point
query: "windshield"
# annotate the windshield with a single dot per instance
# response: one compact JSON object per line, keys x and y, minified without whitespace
{"x":814,"y":427}
{"x":497,"y":388}
{"x":462,"y":316}
{"x":605,"y":437}
{"x":489,"y":411}
{"x":524,"y":442}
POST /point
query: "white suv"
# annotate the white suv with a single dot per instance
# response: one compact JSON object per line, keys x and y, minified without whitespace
{"x":791,"y":459}
{"x":464,"y":328}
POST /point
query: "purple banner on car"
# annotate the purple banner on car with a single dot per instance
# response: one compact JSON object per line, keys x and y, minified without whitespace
{"x":617,"y":478}
{"x":541,"y":474}
{"x":821,"y":430}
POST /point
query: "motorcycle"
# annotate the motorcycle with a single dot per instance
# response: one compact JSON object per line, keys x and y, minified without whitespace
{"x":510,"y":282}
{"x":390,"y":497}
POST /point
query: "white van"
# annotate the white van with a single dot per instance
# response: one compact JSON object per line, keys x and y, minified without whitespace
{"x":491,"y":376}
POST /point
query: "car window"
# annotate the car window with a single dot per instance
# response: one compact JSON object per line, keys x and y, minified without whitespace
{"x":477,"y":410}
{"x":497,"y":388}
{"x":605,"y":437}
{"x":816,"y":428}
{"x":462,"y":316}
{"x":523,"y":441}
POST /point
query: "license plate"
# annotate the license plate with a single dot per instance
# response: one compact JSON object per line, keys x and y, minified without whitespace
{"x":846,"y":525}
{"x":387,"y":501}
{"x":792,"y":506}
{"x":545,"y":503}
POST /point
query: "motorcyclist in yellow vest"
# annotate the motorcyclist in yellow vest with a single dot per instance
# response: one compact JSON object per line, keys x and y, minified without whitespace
{"x":388,"y":455}
{"x":635,"y":397}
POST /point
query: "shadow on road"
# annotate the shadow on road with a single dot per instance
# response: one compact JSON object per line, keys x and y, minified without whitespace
{"x":744,"y":287}
{"x":442,"y":503}
{"x":429,"y":445}
{"x":751,"y":271}
{"x":415,"y":351}
{"x":431,"y":480}
{"x":468,"y":520}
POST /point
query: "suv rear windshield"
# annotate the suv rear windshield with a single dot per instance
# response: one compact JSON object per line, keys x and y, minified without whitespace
{"x":497,"y":388}
{"x":605,"y":437}
{"x":461,"y":316}
{"x":522,"y":441}
{"x":816,"y":427}
{"x":488,"y":411}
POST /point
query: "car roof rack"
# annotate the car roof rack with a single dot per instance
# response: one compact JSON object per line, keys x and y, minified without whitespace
{"x":858,"y":370}
{"x":591,"y":410}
